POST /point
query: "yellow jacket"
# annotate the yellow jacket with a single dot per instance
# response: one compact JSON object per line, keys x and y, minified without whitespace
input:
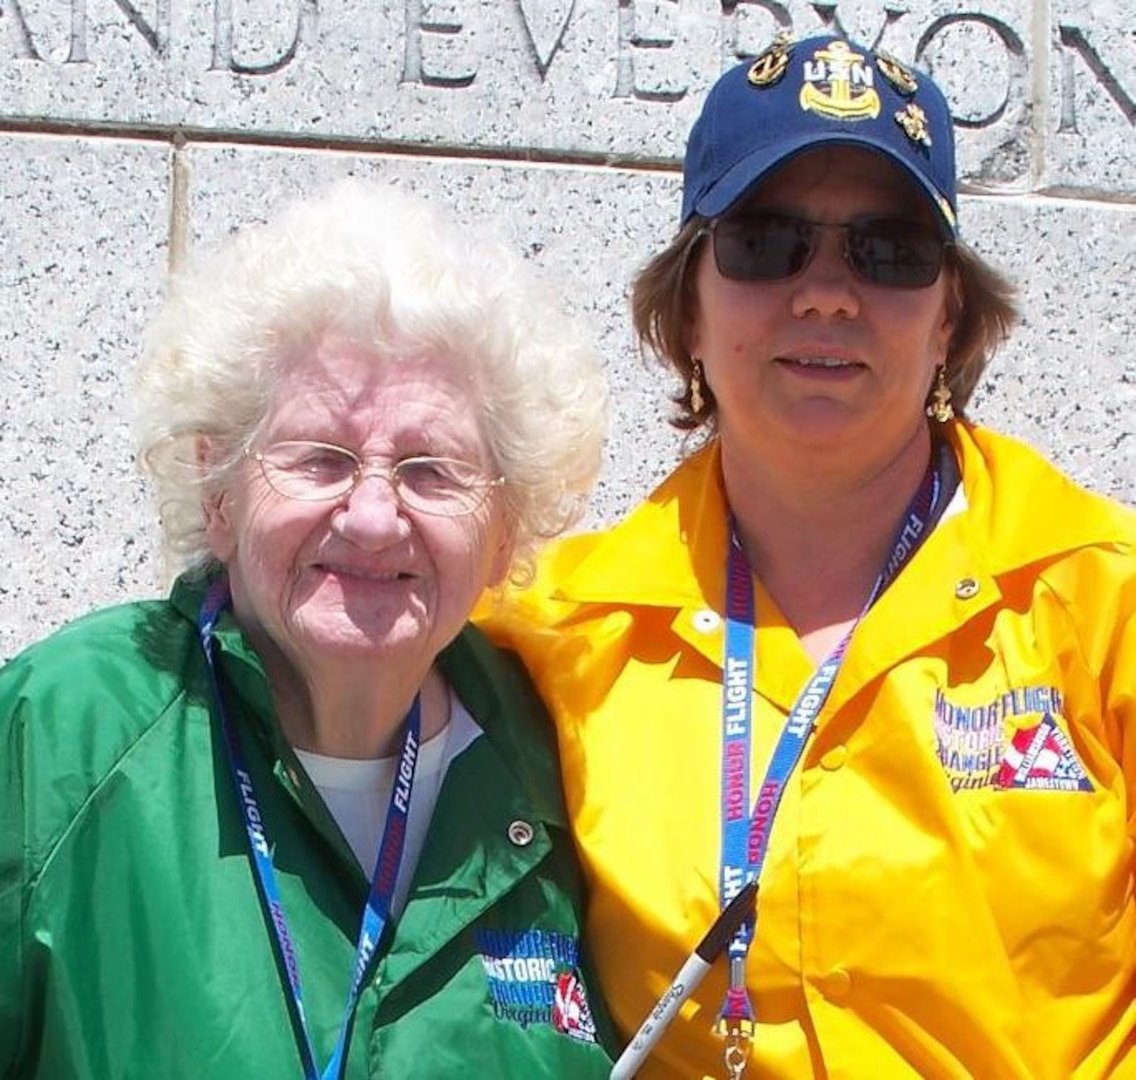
{"x":948,"y":890}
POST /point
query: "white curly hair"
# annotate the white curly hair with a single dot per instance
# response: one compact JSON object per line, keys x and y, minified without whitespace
{"x":398,"y":276}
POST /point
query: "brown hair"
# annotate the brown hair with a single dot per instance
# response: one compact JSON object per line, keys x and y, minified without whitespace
{"x":663,"y":303}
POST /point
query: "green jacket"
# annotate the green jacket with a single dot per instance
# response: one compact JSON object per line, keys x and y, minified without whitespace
{"x":132,"y":939}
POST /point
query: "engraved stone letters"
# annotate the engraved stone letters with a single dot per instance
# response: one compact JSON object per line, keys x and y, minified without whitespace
{"x":642,"y":50}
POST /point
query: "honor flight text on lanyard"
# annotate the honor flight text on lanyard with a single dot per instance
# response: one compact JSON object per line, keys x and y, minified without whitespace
{"x":747,"y":820}
{"x":376,"y":912}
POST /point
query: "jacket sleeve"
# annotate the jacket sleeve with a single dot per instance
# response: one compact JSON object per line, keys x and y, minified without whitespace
{"x":1101,"y":601}
{"x":13,"y":871}
{"x":1120,"y":696}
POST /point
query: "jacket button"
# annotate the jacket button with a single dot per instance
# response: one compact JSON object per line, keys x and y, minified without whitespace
{"x":835,"y":758}
{"x":706,"y":621}
{"x":836,"y":984}
{"x":521,"y":833}
{"x":966,"y":589}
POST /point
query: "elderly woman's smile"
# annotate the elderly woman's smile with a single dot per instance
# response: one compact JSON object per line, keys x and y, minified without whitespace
{"x":360,"y":575}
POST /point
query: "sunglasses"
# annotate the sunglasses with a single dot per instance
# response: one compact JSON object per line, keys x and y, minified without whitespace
{"x":895,"y":252}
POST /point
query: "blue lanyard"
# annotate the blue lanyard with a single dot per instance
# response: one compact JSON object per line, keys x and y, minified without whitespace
{"x":746,"y":831}
{"x":376,"y":912}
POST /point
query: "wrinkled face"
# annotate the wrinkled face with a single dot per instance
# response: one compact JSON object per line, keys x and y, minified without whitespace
{"x":359,"y":577}
{"x":823,"y":359}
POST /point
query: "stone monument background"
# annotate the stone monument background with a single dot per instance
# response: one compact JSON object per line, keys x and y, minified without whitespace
{"x":133,"y":132}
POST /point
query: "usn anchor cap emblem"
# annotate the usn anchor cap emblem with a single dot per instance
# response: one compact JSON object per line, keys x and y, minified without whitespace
{"x":768,"y":67}
{"x":838,"y":84}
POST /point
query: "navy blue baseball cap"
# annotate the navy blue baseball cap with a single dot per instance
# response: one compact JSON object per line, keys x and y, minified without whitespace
{"x":823,"y":91}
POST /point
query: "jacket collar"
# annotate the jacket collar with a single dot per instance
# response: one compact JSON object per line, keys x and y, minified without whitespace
{"x":495,"y":688}
{"x":678,"y":536}
{"x":679,"y":533}
{"x":1010,"y":488}
{"x":490,"y":683}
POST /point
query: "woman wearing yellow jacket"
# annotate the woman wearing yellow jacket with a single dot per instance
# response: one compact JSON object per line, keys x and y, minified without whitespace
{"x":856,"y":648}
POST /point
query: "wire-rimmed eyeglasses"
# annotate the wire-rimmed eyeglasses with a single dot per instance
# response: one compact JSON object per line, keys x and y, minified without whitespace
{"x":322,"y":472}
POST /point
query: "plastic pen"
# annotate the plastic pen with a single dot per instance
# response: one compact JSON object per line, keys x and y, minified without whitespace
{"x":686,"y":982}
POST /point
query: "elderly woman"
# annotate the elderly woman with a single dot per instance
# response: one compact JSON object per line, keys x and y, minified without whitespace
{"x":300,"y":820}
{"x":856,"y":648}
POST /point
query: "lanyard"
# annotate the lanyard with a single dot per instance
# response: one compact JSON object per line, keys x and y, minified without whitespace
{"x":376,"y":912}
{"x":745,"y":831}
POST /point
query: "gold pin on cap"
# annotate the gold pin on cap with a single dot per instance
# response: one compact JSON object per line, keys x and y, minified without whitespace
{"x":913,"y":120}
{"x":770,"y":65}
{"x":896,"y":73}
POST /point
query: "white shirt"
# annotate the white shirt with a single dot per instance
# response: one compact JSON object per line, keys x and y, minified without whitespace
{"x":358,"y":794}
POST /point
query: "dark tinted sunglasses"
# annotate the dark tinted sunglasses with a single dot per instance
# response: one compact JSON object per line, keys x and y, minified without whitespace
{"x":896,"y":252}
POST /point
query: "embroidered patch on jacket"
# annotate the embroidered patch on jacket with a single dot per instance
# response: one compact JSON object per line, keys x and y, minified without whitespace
{"x":570,"y":1011}
{"x":987,"y":745}
{"x":534,"y":978}
{"x":1042,"y":758}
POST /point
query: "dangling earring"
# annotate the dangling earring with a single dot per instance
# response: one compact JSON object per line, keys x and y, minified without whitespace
{"x":696,"y":400}
{"x":939,"y":408}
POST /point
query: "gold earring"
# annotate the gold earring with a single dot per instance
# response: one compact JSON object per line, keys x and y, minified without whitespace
{"x":696,"y":399}
{"x":939,"y":408}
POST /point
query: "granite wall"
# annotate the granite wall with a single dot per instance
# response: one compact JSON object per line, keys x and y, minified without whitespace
{"x":132,"y":132}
